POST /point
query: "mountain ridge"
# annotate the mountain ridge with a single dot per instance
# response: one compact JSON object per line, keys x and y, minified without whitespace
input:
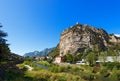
{"x":38,"y":53}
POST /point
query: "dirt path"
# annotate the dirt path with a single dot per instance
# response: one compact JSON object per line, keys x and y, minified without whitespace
{"x":29,"y":67}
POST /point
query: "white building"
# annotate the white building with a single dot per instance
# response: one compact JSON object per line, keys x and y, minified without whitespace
{"x":109,"y":59}
{"x":58,"y":59}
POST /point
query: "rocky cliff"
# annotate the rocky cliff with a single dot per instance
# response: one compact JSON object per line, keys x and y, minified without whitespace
{"x":80,"y":37}
{"x":114,"y":39}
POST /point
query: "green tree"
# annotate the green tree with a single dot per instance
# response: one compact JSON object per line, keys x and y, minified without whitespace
{"x":55,"y":52}
{"x":103,"y":57}
{"x":115,"y":56}
{"x":4,"y":49}
{"x":78,"y":57}
{"x":68,"y":58}
{"x":91,"y":58}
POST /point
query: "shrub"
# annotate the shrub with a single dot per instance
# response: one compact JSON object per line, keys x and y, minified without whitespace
{"x":55,"y":69}
{"x":115,"y":75}
{"x":45,"y":63}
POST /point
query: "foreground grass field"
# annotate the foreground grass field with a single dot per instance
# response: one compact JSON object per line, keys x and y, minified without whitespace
{"x":64,"y":72}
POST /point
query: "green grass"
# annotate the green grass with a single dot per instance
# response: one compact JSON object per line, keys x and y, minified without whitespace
{"x":50,"y":76}
{"x":63,"y":72}
{"x":45,"y":63}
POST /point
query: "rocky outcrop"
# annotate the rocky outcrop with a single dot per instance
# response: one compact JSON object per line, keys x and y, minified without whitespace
{"x":114,"y":39}
{"x":80,"y":37}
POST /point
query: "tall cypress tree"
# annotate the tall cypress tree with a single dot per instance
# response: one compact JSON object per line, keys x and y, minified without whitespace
{"x":4,"y":49}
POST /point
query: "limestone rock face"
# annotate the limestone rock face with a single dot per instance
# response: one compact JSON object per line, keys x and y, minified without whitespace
{"x":114,"y":39}
{"x":80,"y":37}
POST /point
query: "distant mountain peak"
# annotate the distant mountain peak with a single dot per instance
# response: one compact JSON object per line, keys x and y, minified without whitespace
{"x":38,"y":53}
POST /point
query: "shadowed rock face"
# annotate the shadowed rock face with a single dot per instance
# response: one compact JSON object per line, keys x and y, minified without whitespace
{"x":80,"y":37}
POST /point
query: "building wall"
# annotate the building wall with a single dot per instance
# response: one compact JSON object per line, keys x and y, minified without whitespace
{"x":58,"y":59}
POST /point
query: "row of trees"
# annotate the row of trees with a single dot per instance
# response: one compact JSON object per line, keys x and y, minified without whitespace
{"x":4,"y":49}
{"x":92,"y":55}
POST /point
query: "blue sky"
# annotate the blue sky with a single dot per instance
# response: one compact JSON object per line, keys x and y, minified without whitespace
{"x":37,"y":24}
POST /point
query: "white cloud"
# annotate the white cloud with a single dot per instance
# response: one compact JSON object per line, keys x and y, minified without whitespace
{"x":117,"y":35}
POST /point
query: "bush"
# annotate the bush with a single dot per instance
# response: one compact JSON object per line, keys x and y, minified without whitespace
{"x":111,"y":65}
{"x":115,"y":75}
{"x":56,"y":69}
{"x":45,"y":63}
